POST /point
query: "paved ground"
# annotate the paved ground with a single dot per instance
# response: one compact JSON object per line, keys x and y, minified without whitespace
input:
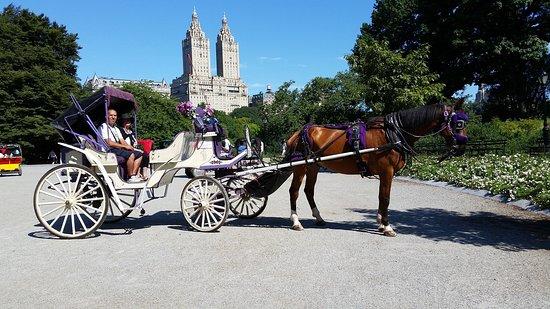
{"x":452,"y":250}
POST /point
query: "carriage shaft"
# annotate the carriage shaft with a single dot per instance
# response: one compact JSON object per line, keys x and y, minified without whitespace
{"x":313,"y":160}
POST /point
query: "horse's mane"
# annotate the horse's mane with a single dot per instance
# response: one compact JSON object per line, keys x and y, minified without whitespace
{"x":416,"y":117}
{"x":411,"y":118}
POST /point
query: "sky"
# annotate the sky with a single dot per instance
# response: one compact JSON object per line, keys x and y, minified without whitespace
{"x":278,"y":41}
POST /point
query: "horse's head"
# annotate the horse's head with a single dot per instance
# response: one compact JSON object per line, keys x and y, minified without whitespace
{"x":454,"y":131}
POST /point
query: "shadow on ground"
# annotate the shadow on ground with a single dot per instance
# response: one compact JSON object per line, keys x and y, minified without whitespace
{"x":475,"y":228}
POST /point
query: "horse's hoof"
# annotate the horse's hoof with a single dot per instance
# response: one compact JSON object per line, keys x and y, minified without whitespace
{"x":390,"y":233}
{"x":297,"y":227}
{"x":320,"y":223}
{"x":381,"y":228}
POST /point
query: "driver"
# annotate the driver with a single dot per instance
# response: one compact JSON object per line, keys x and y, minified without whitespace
{"x":113,"y":138}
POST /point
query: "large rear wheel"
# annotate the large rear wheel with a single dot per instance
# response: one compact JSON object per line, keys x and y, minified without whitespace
{"x":204,"y":203}
{"x":71,"y":201}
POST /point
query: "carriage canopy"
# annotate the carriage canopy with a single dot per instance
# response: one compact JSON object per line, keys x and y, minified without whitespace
{"x":80,"y":117}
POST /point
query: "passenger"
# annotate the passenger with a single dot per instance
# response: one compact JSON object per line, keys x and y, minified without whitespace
{"x":113,"y":137}
{"x":130,"y":139}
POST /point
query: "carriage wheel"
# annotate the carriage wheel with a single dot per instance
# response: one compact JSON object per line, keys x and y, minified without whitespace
{"x":242,"y":204}
{"x":71,"y":201}
{"x":128,"y":198}
{"x":204,"y":203}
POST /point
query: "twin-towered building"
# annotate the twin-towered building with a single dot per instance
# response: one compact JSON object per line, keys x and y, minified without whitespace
{"x":224,"y":91}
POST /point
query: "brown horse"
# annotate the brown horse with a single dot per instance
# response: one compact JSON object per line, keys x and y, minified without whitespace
{"x":396,"y":134}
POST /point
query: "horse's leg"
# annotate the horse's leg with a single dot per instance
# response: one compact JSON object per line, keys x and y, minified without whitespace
{"x":297,"y":177}
{"x":311,"y":178}
{"x":383,"y":204}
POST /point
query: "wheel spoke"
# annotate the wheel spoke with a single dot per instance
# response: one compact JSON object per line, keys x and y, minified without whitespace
{"x":49,"y":212}
{"x":51,"y":203}
{"x":68,"y":181}
{"x":194,"y":194}
{"x":55,"y":188}
{"x":81,"y":221}
{"x":194,"y":213}
{"x":216,"y":222}
{"x":61,"y":183}
{"x":72,"y":221}
{"x":89,"y":191}
{"x":83,"y":186}
{"x":218,"y":200}
{"x":91,"y":199}
{"x":63,"y":225}
{"x":216,"y":212}
{"x":77,"y":179}
{"x":218,"y":207}
{"x":189,"y":201}
{"x":86,"y":213}
{"x":198,"y":216}
{"x":208,"y":218}
{"x":52,"y":195}
{"x":58,"y":216}
{"x":201,"y":189}
{"x":241,"y":203}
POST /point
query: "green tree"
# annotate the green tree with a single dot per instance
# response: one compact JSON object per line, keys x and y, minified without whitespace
{"x":503,"y":44}
{"x":343,"y":102}
{"x":280,"y":118}
{"x":157,"y":117}
{"x":37,"y":73}
{"x":393,"y":80}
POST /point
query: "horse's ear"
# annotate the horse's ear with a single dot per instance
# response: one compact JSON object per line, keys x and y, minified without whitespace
{"x":458,"y":104}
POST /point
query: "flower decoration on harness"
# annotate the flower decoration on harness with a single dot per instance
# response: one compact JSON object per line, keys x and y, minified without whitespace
{"x":186,"y":109}
{"x":203,"y":118}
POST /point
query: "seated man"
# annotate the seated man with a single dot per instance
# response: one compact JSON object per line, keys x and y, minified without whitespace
{"x":113,"y":138}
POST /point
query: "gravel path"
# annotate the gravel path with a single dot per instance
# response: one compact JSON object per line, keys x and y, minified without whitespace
{"x":453,"y":250}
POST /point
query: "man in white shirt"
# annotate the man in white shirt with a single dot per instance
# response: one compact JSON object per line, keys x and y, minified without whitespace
{"x":113,"y":138}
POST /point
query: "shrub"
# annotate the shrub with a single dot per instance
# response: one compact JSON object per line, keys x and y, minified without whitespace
{"x":519,"y":176}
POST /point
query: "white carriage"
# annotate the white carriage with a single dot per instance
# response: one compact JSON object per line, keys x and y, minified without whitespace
{"x":73,"y":199}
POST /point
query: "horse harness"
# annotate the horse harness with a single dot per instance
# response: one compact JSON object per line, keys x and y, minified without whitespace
{"x":355,"y":139}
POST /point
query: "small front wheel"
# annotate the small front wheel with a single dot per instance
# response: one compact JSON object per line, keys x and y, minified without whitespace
{"x":204,"y":203}
{"x":242,"y":204}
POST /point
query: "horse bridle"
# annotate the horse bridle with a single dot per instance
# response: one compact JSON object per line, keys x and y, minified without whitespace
{"x":452,"y":121}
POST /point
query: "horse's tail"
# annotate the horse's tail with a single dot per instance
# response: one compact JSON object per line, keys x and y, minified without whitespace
{"x":290,"y":146}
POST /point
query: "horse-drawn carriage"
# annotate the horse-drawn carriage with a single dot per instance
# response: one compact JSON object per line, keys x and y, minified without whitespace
{"x":73,"y":199}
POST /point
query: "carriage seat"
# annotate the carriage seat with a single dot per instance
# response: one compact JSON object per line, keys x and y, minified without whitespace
{"x":179,"y":150}
{"x":109,"y":160}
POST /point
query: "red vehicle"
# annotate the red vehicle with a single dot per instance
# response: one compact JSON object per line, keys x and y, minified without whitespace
{"x":11,"y":158}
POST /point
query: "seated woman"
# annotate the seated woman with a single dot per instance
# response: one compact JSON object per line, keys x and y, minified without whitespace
{"x":130,"y":138}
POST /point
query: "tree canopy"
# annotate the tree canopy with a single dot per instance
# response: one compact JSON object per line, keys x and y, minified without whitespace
{"x":37,"y":73}
{"x":503,"y":44}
